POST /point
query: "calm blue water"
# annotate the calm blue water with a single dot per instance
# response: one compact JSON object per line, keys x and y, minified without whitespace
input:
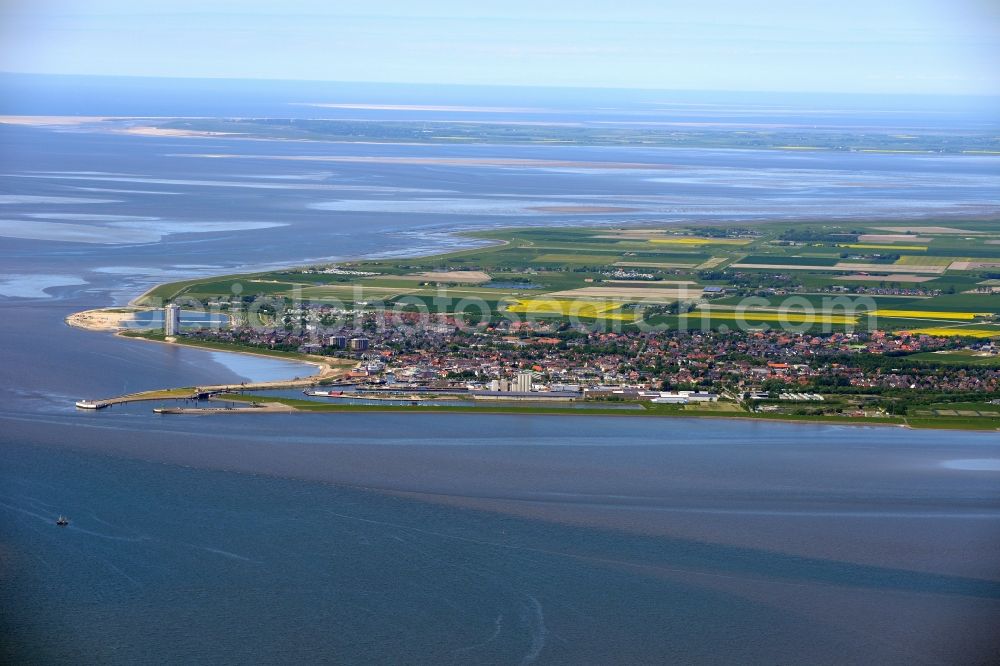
{"x":180,"y":563}
{"x":154,"y":319}
{"x":430,"y":538}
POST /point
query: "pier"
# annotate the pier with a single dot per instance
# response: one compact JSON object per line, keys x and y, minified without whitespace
{"x":326,"y":371}
{"x":197,"y":393}
{"x":163,"y":394}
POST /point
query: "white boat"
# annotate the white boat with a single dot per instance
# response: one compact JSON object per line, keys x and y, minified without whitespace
{"x":90,"y":404}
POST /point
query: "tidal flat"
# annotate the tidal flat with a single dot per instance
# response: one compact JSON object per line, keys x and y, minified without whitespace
{"x":449,"y":538}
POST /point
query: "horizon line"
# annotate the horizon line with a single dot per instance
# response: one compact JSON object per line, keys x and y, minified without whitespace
{"x":982,"y":95}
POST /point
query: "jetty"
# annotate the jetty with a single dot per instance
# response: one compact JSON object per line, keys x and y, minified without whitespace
{"x":161,"y":394}
{"x":326,"y":370}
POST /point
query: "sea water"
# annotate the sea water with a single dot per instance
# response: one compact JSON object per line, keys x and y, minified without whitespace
{"x":444,"y":538}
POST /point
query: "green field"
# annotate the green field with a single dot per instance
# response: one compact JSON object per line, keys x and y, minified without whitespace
{"x":917,"y":288}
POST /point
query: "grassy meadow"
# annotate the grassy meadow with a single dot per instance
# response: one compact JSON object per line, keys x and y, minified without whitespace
{"x":929,"y":277}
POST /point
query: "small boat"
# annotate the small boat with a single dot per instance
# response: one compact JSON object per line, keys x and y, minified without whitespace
{"x":62,"y":521}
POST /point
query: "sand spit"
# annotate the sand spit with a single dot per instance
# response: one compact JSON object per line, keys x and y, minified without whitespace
{"x":101,"y":320}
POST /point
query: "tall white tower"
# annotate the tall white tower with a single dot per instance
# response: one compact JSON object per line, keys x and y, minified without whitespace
{"x":171,"y":319}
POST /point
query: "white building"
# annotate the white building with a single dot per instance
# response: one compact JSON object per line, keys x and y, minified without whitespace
{"x":523,"y":382}
{"x":685,"y":397}
{"x":172,"y":319}
{"x":671,"y":399}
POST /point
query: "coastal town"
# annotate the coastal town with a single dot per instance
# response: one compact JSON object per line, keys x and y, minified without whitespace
{"x":836,"y":322}
{"x":533,"y":362}
{"x":511,"y":333}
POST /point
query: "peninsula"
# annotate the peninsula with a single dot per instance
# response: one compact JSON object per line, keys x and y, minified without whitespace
{"x":881,"y":323}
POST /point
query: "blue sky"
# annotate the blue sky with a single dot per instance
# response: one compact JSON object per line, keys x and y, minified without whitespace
{"x":888,"y":46}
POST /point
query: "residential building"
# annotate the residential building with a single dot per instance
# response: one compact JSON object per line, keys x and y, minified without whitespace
{"x":171,"y":319}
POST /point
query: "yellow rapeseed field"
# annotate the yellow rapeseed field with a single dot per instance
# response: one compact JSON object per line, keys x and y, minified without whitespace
{"x":924,"y":314}
{"x":572,"y":308}
{"x":775,"y":316}
{"x":967,"y":332}
{"x":924,"y":261}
